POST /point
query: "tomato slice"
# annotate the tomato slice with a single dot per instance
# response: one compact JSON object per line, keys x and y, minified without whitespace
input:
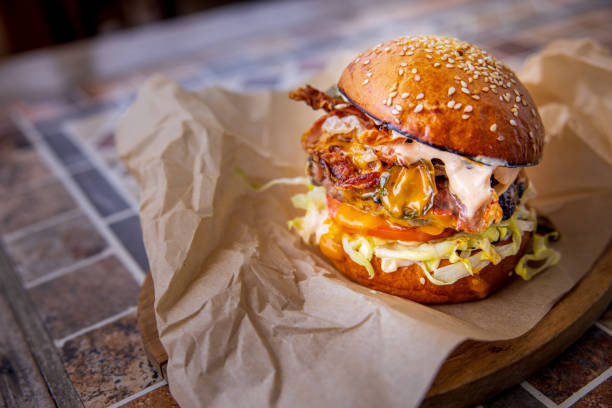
{"x":356,"y":221}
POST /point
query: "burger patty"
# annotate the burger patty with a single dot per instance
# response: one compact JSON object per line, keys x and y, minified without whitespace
{"x":335,"y":171}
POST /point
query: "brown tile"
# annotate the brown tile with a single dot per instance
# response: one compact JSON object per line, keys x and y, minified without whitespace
{"x":85,"y":297}
{"x":20,"y":165}
{"x":108,"y":364}
{"x":158,"y":398}
{"x":512,"y":398}
{"x":590,"y":356}
{"x":44,"y":251}
{"x":600,"y":397}
{"x":20,"y":210}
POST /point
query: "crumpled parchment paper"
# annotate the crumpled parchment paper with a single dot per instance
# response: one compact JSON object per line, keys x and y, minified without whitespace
{"x":251,"y":316}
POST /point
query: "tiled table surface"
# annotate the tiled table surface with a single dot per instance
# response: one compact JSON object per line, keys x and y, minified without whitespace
{"x":68,"y":217}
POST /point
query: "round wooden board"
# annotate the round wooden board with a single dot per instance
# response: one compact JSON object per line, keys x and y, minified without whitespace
{"x":475,"y":371}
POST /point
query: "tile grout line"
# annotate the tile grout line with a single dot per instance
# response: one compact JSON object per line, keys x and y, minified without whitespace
{"x":139,"y":394}
{"x":120,"y":216}
{"x":95,"y":160}
{"x":604,"y":328}
{"x":31,"y":133}
{"x":60,"y":343}
{"x":41,"y":225}
{"x":575,"y":397}
{"x":538,"y":395}
{"x":105,"y":253}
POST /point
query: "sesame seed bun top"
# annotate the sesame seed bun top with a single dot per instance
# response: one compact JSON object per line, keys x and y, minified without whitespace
{"x":449,"y":94}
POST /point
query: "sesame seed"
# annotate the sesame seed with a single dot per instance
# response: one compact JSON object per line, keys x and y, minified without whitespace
{"x":410,"y":53}
{"x":418,"y":108}
{"x":414,"y":70}
{"x":369,"y":74}
{"x":420,"y":96}
{"x":468,"y":108}
{"x":403,"y":64}
{"x":387,"y":49}
{"x":523,"y":102}
{"x":450,"y":104}
{"x":394,"y":87}
{"x":464,"y":84}
{"x":533,"y":112}
{"x":395,"y":112}
{"x":365,"y":81}
{"x":398,"y":108}
{"x":365,"y":62}
{"x":517,"y":93}
{"x":464,"y":116}
{"x":405,"y":95}
{"x":465,"y":90}
{"x":401,"y":71}
{"x":457,"y":106}
{"x":436,"y":64}
{"x":512,"y":122}
{"x":417,"y":78}
{"x":451,"y":90}
{"x":485,"y":89}
{"x":422,"y":280}
{"x":493,"y":127}
{"x":428,"y":56}
{"x":397,"y":120}
{"x":518,"y":99}
{"x":500,"y":138}
{"x":476,"y":97}
{"x":531,"y":134}
{"x":450,"y":66}
{"x":392,"y":94}
{"x":388,"y":103}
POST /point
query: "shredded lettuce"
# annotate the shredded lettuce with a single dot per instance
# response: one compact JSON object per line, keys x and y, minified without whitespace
{"x":542,"y":253}
{"x":287,"y":180}
{"x":457,"y":249}
{"x":360,"y":249}
{"x":313,"y":224}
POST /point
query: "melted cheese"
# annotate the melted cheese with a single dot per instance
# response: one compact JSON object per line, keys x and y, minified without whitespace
{"x":470,"y":182}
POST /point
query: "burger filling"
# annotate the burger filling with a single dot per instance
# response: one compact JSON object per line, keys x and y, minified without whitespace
{"x":377,"y":193}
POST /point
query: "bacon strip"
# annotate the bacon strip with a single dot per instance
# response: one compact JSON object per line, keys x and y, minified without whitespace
{"x":315,"y":98}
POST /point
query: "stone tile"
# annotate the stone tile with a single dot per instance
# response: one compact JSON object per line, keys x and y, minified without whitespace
{"x":108,"y":364}
{"x":129,"y":233}
{"x":84,"y":297}
{"x":100,"y":192}
{"x":158,"y":398}
{"x":20,"y":165}
{"x":590,"y":356}
{"x":513,"y":398}
{"x":57,"y":246}
{"x":600,"y":397}
{"x":66,"y":151}
{"x":34,"y":205}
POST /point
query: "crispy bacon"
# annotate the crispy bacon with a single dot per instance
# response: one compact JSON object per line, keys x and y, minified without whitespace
{"x":316,"y":99}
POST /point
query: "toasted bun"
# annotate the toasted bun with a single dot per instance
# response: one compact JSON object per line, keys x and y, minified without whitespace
{"x":410,"y":282}
{"x":414,"y":85}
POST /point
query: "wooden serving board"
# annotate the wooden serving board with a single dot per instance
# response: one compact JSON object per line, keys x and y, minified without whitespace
{"x":475,"y":371}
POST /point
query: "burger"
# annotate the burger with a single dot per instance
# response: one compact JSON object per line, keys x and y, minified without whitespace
{"x":417,"y":186}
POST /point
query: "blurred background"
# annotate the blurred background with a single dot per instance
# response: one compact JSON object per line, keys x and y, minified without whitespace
{"x":30,"y":24}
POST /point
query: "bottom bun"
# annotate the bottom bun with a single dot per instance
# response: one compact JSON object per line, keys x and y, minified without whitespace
{"x":406,"y":281}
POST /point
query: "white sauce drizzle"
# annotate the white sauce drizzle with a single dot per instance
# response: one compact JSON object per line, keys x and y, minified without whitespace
{"x":345,"y":124}
{"x":470,"y":182}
